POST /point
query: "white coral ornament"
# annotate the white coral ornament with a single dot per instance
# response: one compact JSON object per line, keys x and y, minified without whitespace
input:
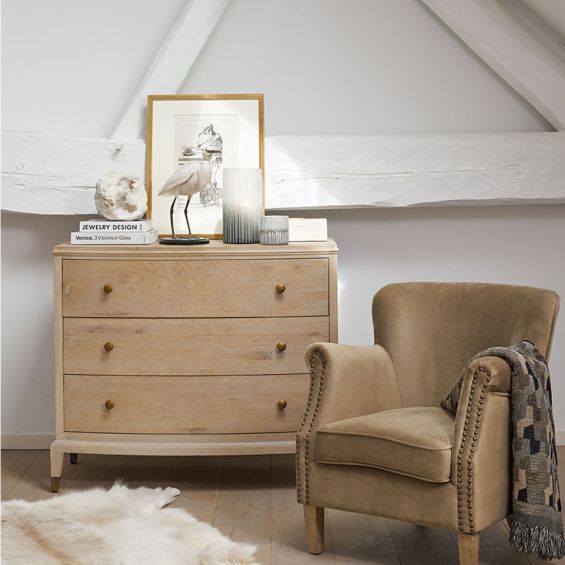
{"x":120,"y":197}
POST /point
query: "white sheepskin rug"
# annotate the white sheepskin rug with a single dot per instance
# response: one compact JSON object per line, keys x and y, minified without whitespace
{"x":117,"y":526}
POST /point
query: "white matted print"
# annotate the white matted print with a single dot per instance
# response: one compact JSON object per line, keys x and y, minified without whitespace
{"x":228,"y":127}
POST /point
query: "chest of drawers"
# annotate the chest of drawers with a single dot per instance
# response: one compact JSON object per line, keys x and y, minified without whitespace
{"x":186,"y":351}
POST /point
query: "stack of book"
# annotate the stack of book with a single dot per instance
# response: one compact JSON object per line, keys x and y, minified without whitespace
{"x":106,"y":232}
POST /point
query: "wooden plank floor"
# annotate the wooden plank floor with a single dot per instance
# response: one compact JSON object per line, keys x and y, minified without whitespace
{"x":253,"y":499}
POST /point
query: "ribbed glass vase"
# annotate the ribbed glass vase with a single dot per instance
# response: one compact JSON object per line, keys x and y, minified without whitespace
{"x":243,"y":205}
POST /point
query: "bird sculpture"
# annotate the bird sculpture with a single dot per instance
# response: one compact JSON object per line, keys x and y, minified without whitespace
{"x":191,"y":177}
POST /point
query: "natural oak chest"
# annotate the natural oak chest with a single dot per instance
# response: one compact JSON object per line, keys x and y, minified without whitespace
{"x":186,"y":351}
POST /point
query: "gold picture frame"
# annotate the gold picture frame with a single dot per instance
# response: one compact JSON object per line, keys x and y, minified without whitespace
{"x":159,"y":143}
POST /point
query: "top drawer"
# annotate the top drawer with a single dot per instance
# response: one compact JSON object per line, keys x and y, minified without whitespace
{"x":195,"y":288}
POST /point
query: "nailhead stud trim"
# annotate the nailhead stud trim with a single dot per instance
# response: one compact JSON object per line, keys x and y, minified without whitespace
{"x":319,"y":358}
{"x":467,"y":450}
{"x":303,"y":435}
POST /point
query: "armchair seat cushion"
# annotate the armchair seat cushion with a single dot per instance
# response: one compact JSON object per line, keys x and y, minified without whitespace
{"x":415,"y":442}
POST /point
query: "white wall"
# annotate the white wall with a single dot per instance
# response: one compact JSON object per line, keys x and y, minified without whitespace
{"x":27,"y":307}
{"x":325,"y":66}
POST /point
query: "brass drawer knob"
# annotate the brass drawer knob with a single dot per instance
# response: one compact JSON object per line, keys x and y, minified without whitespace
{"x":280,"y":288}
{"x":108,"y":346}
{"x":107,"y":288}
{"x":281,"y":346}
{"x":109,"y":404}
{"x":282,"y":404}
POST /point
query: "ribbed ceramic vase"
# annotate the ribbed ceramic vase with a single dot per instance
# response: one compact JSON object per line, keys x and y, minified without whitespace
{"x":273,"y":230}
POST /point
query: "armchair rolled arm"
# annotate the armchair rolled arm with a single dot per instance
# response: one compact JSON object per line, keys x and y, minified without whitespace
{"x":345,"y":381}
{"x":481,"y":444}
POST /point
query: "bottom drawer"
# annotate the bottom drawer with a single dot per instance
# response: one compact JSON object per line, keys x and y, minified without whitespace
{"x":184,"y":405}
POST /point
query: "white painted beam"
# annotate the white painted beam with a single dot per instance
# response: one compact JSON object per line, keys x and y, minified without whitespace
{"x":54,"y":174}
{"x":512,"y":51}
{"x":414,"y":170}
{"x":172,"y":63}
{"x":47,"y":173}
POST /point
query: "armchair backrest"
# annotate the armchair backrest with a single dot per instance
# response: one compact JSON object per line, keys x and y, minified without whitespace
{"x":431,"y":330}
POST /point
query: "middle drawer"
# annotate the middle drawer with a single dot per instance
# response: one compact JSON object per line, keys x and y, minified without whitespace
{"x":193,"y":346}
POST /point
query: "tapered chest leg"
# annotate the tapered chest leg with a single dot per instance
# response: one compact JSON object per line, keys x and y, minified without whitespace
{"x":469,"y":549}
{"x":56,"y":458}
{"x":314,"y":522}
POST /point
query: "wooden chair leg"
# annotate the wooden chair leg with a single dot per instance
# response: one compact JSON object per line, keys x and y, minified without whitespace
{"x":314,"y":522}
{"x":469,"y":549}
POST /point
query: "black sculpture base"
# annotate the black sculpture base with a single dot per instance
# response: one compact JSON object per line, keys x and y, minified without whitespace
{"x":184,"y":240}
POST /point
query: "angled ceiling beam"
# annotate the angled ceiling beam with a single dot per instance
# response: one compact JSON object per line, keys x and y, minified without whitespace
{"x":171,"y":64}
{"x":514,"y":53}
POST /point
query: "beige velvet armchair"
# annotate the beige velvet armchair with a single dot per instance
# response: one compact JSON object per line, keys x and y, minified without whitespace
{"x":374,"y":438}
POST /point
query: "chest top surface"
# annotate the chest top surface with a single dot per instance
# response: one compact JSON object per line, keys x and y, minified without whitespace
{"x":215,"y":248}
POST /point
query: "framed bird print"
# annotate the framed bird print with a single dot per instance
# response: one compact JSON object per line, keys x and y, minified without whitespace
{"x":191,"y":139}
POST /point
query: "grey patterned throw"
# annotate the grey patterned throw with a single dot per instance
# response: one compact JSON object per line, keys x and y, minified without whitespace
{"x":536,"y":524}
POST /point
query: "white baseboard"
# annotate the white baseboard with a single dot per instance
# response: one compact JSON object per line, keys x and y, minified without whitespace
{"x":43,"y":441}
{"x":27,"y":441}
